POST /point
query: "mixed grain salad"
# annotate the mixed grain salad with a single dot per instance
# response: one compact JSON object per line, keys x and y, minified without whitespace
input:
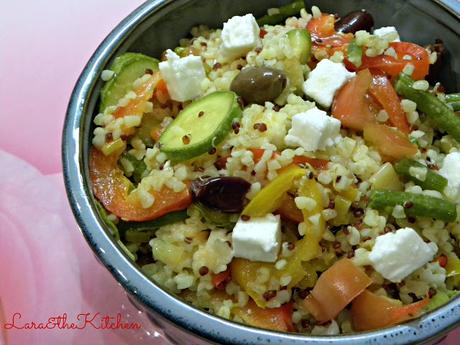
{"x":296,"y":172}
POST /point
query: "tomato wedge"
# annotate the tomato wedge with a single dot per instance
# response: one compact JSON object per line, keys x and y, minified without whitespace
{"x":111,"y":188}
{"x":390,"y":142}
{"x":386,"y":95}
{"x":393,"y":66}
{"x":144,"y":92}
{"x":275,"y":319}
{"x":351,"y":105}
{"x":335,"y":288}
{"x":370,"y":311}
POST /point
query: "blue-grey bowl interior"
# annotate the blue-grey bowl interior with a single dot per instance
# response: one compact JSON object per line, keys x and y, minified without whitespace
{"x":159,"y":24}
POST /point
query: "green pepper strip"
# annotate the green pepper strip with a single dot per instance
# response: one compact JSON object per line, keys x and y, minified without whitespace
{"x":432,"y":180}
{"x":434,"y":108}
{"x":284,"y":12}
{"x":454,"y":100}
{"x":167,"y":219}
{"x":414,"y":204}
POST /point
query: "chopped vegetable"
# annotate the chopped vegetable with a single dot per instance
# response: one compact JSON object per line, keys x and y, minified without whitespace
{"x":218,"y":218}
{"x":269,"y":198}
{"x":386,"y":178}
{"x":322,"y":26}
{"x":431,"y":181}
{"x":149,"y":125}
{"x":127,"y":68}
{"x":390,"y":142}
{"x":441,"y":115}
{"x":200,"y":126}
{"x":138,"y":166}
{"x":358,"y":113}
{"x":385,"y":94}
{"x":414,"y":204}
{"x":283,"y":13}
{"x":316,"y":163}
{"x":244,"y":272}
{"x":289,"y":211}
{"x":114,"y":147}
{"x":112,"y":188}
{"x":170,"y":218}
{"x":275,"y":319}
{"x":314,"y":221}
{"x":354,"y":53}
{"x":300,"y":41}
{"x":370,"y":311}
{"x":454,"y":100}
{"x":441,"y":298}
{"x":221,"y":279}
{"x":335,"y":288}
{"x":342,"y":207}
{"x":394,"y":66}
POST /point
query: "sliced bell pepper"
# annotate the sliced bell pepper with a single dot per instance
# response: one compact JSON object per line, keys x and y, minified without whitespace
{"x":335,"y":288}
{"x":221,"y":279}
{"x":144,"y":92}
{"x":370,"y":311}
{"x":269,"y":198}
{"x":311,"y":189}
{"x":288,"y":210}
{"x":112,"y":188}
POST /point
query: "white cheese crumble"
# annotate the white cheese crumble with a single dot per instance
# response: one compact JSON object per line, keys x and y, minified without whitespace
{"x":396,"y":255}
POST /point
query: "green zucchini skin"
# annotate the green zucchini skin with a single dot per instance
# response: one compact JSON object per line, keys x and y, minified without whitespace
{"x":127,"y":68}
{"x":204,"y":132}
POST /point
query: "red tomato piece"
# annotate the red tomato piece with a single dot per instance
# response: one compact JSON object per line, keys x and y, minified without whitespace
{"x":351,"y":106}
{"x":386,"y":95}
{"x":394,"y":66}
{"x":390,"y":142}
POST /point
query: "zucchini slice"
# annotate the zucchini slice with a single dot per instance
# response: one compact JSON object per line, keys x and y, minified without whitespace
{"x":127,"y":68}
{"x":201,"y":126}
{"x":300,"y":41}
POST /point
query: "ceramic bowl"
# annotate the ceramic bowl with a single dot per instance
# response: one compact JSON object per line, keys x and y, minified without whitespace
{"x":159,"y":24}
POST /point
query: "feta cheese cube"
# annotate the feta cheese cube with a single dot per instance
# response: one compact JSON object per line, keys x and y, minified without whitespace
{"x":257,"y":239}
{"x":388,"y":32}
{"x":313,"y":130}
{"x":324,"y":81}
{"x":450,"y":170}
{"x":396,"y":255}
{"x":239,"y":35}
{"x":183,"y":76}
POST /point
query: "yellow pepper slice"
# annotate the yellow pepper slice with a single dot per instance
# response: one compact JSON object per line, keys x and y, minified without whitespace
{"x":311,"y":189}
{"x":269,"y":198}
{"x":244,"y":272}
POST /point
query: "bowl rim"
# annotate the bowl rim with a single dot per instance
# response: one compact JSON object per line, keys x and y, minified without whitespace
{"x":189,"y":318}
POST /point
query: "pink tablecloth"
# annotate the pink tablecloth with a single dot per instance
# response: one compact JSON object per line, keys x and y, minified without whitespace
{"x":46,"y":268}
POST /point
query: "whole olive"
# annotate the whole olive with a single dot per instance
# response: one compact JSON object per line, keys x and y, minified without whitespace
{"x":226,"y":194}
{"x":259,"y":84}
{"x":355,"y":21}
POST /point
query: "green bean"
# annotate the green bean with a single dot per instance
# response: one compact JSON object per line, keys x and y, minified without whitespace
{"x":440,"y":114}
{"x":414,"y":204}
{"x":432,"y":180}
{"x":284,"y":12}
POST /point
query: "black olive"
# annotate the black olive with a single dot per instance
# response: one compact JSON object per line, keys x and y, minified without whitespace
{"x":355,"y":21}
{"x":226,"y":194}
{"x":259,"y":84}
{"x":435,"y":69}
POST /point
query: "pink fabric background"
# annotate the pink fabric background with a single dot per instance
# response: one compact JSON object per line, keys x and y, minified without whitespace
{"x":46,"y":268}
